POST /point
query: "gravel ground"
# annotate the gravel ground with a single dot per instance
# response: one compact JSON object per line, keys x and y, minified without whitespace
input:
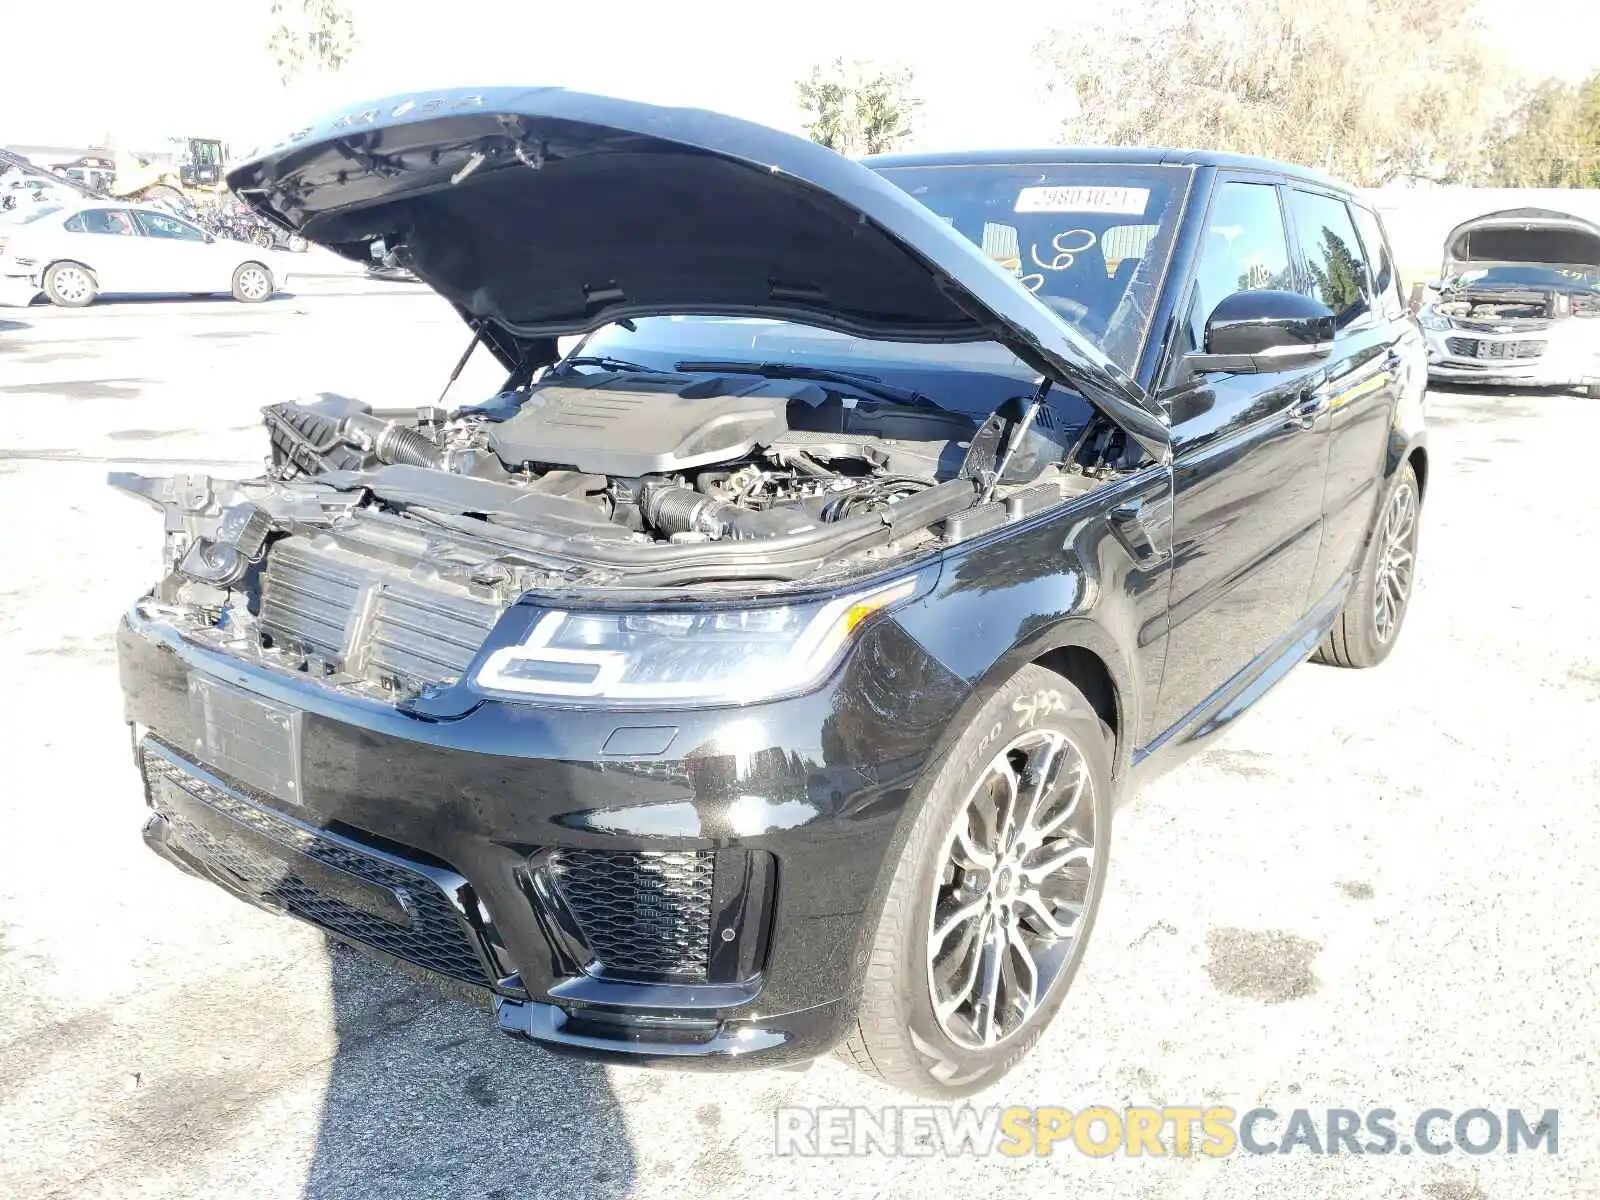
{"x":1379,"y":890}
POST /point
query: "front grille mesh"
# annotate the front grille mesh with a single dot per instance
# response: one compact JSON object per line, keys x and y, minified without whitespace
{"x":437,"y":939}
{"x":1468,"y":348}
{"x":643,"y":913}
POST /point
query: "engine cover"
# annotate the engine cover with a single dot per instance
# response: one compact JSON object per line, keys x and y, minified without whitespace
{"x":637,"y":424}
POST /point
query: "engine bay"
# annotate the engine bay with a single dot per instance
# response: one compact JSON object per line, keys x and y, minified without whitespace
{"x":645,"y":457}
{"x":1523,"y":309}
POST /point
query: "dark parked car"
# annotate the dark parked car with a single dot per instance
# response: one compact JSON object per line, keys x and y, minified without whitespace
{"x":759,"y":677}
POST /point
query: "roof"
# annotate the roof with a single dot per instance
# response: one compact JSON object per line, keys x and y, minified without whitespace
{"x":1146,"y":155}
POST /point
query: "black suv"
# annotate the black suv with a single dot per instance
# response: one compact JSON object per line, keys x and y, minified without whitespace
{"x":758,"y":675}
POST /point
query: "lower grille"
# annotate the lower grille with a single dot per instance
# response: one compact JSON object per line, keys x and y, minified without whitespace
{"x":437,"y":937}
{"x":645,"y":913}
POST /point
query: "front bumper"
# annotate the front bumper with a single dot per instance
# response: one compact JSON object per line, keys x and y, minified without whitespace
{"x":732,"y":862}
{"x":17,"y":291}
{"x":1546,"y":362}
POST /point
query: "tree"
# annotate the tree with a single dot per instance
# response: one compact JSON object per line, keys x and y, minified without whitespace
{"x":1367,"y":89}
{"x":317,"y":33}
{"x":858,"y":107}
{"x":1554,"y":138}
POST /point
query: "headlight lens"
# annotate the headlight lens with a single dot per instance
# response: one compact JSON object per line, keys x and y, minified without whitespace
{"x":1432,"y":320}
{"x":647,"y":657}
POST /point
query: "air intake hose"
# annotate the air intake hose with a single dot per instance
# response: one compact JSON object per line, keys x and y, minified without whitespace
{"x":672,"y":509}
{"x":395,"y":443}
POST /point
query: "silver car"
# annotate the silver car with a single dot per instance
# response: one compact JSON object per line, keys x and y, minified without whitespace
{"x":1517,"y":302}
{"x":78,"y":252}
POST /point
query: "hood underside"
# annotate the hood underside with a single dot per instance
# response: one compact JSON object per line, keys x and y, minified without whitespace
{"x":1523,"y":235}
{"x":542,"y":212}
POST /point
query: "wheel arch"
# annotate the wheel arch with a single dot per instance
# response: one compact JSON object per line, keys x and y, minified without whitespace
{"x":1418,"y":461}
{"x":1083,"y":652}
{"x":76,"y":262}
{"x":266,"y":268}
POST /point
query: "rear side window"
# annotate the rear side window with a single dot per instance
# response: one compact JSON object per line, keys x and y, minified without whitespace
{"x":1244,"y":248}
{"x":161,"y":226}
{"x":1334,"y":259}
{"x":1385,"y":279}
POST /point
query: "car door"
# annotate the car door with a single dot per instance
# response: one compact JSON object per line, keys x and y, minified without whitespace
{"x":1363,"y":371}
{"x":1249,"y":460}
{"x":108,"y":242}
{"x":183,"y":260}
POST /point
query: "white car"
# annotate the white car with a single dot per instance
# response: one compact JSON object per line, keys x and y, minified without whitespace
{"x":77,"y":252}
{"x":1517,"y":303}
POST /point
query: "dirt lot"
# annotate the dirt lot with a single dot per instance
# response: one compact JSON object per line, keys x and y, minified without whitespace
{"x":1379,"y":891}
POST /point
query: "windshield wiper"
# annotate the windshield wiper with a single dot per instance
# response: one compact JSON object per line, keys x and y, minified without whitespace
{"x":870,"y":384}
{"x":606,"y":363}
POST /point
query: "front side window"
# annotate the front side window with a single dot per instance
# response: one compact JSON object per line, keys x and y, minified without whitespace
{"x":159,"y":225}
{"x":1091,"y":240}
{"x":112,"y":221}
{"x":1332,"y":254}
{"x":1385,"y":280}
{"x":1243,"y":248}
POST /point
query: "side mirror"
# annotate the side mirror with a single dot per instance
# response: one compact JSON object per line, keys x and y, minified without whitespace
{"x":1262,"y":331}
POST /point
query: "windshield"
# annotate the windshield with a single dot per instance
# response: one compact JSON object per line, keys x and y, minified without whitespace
{"x":1523,"y":275}
{"x":990,"y":374}
{"x":24,"y":216}
{"x":1091,"y":240}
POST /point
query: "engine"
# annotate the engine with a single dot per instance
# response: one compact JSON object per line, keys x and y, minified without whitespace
{"x":638,"y":456}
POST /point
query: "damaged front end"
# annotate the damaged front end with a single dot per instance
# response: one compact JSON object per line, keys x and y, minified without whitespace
{"x":380,"y":550}
{"x":383,"y":548}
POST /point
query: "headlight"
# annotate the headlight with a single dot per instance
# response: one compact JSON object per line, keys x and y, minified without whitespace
{"x":681,"y":656}
{"x":1432,"y":320}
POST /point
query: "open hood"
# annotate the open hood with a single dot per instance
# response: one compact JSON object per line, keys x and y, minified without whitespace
{"x":542,"y":212}
{"x":1523,"y":235}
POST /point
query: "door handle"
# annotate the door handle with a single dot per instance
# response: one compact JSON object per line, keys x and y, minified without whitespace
{"x":1303,"y":413}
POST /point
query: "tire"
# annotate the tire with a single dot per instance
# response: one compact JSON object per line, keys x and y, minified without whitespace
{"x":252,"y":283}
{"x":898,"y":1036}
{"x":1363,"y":634}
{"x":70,"y":285}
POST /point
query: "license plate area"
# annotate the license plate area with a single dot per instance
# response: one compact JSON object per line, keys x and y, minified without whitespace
{"x":1496,"y":350}
{"x":251,"y":739}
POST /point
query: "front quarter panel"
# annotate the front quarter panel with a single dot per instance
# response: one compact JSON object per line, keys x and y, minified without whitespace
{"x":1409,"y":434}
{"x":1092,"y":573}
{"x":1081,"y":575}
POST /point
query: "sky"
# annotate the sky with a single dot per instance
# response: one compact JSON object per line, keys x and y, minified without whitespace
{"x":146,"y":72}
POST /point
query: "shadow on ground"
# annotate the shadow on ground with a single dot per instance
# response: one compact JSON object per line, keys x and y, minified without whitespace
{"x":426,"y":1098}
